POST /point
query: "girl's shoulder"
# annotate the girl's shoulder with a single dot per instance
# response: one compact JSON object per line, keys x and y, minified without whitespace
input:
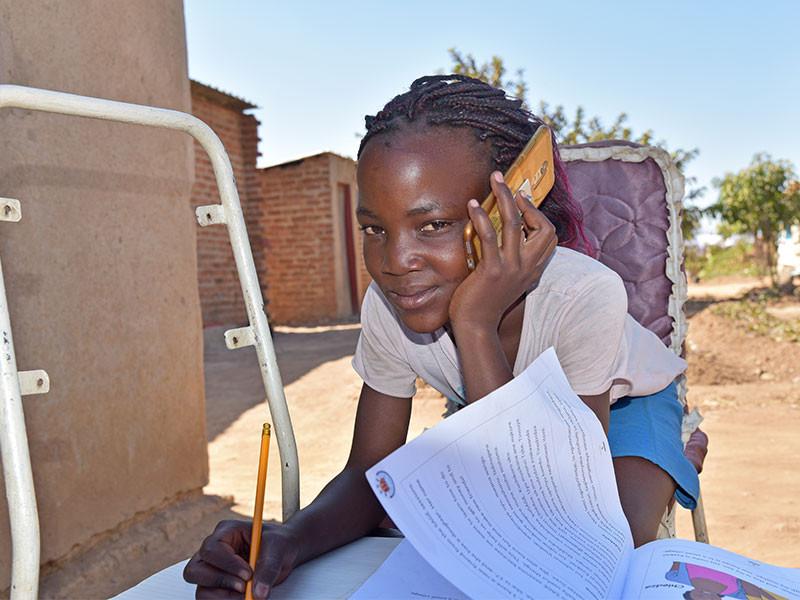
{"x":378,"y":318}
{"x":374,"y":299}
{"x":375,"y":307}
{"x":570,"y":273}
{"x":377,"y":313}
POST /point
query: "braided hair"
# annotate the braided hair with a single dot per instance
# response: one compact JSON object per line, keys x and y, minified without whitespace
{"x":462,"y":101}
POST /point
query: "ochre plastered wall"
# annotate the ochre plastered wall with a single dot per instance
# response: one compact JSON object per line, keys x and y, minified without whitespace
{"x":101,"y":271}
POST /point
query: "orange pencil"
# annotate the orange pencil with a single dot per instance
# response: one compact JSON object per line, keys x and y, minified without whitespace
{"x":258,"y":513}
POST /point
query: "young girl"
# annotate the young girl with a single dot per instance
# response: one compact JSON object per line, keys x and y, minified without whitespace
{"x":424,"y":161}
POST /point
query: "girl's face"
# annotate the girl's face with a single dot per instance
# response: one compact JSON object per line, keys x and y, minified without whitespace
{"x":413,"y":186}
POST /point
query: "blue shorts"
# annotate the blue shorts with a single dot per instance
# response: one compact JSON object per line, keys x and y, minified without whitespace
{"x":650,"y":427}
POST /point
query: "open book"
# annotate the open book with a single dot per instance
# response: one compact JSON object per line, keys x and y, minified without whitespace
{"x":515,"y":497}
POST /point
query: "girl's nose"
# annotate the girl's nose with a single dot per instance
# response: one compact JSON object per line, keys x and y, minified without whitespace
{"x":401,"y":256}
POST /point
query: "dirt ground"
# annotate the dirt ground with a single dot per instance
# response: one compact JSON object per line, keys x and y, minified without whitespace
{"x":746,"y":386}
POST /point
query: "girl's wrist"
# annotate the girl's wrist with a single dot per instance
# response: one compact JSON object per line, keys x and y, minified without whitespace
{"x":478,"y":332}
{"x":483,"y":363}
{"x":295,"y":538}
{"x":472,"y":320}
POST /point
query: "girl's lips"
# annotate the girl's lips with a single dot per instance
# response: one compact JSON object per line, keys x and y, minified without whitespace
{"x":412,"y":301}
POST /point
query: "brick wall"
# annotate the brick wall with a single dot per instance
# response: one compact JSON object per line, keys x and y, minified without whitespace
{"x":220,"y":291}
{"x":305,"y":259}
{"x":295,"y":220}
{"x":344,"y":171}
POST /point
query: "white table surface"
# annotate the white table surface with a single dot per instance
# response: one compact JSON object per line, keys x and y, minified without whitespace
{"x":336,"y":574}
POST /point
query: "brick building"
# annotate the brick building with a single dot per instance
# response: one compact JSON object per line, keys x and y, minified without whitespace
{"x":313,"y":259}
{"x":300,"y":218}
{"x":220,"y":292}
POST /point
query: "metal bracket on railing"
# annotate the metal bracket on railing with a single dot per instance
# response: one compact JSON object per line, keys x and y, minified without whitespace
{"x":33,"y":382}
{"x":212,"y":214}
{"x":240,"y":338}
{"x":10,"y":210}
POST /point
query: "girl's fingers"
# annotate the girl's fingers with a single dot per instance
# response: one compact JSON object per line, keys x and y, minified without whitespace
{"x":268,"y":572}
{"x":486,"y":233}
{"x":221,"y":555}
{"x":538,"y":249}
{"x":533,"y":218}
{"x":520,"y":198}
{"x":205,"y":575}
{"x":205,"y":593}
{"x":512,"y":222}
{"x":540,"y":241}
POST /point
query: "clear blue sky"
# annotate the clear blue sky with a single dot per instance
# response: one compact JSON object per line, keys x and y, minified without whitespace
{"x":720,"y":76}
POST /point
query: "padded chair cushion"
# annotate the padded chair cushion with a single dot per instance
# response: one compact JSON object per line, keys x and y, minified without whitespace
{"x":626,"y":218}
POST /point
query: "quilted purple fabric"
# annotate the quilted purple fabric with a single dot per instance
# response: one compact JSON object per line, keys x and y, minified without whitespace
{"x":626,"y":218}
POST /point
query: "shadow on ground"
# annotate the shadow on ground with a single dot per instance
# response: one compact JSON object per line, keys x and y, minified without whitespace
{"x":232,"y":377}
{"x":697,"y":303}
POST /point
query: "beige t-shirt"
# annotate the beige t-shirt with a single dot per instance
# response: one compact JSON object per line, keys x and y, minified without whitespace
{"x":579,"y":307}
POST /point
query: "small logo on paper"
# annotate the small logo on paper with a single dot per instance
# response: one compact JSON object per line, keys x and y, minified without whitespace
{"x":385,"y":483}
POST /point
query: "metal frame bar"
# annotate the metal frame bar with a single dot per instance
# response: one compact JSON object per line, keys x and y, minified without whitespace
{"x":674,"y":186}
{"x":13,"y":438}
{"x":17,"y":466}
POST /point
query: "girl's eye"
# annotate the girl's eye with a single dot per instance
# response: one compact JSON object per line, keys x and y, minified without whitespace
{"x":435,"y":226}
{"x":370,"y":229}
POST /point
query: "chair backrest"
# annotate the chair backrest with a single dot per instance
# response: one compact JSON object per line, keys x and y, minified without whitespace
{"x":631,"y":196}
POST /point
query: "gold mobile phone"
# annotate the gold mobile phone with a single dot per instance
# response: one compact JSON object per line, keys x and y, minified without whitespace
{"x":532,"y":173}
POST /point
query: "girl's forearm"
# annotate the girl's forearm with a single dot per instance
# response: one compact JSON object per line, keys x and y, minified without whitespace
{"x":484,"y":366}
{"x":345,"y":510}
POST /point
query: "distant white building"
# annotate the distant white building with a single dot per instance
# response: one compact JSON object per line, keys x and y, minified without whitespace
{"x":789,"y":252}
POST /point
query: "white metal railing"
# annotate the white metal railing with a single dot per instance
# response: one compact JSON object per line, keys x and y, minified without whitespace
{"x":14,"y":384}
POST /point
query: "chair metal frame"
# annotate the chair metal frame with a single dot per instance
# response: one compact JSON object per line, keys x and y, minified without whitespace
{"x":25,"y":543}
{"x":674,"y":186}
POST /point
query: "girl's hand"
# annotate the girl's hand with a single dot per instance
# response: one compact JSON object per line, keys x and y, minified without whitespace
{"x":220,"y":568}
{"x":503,"y":273}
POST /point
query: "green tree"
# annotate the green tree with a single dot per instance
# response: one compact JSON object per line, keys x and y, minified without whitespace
{"x":690,"y":220}
{"x":491,"y":72}
{"x":762,"y":199}
{"x":579,"y":128}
